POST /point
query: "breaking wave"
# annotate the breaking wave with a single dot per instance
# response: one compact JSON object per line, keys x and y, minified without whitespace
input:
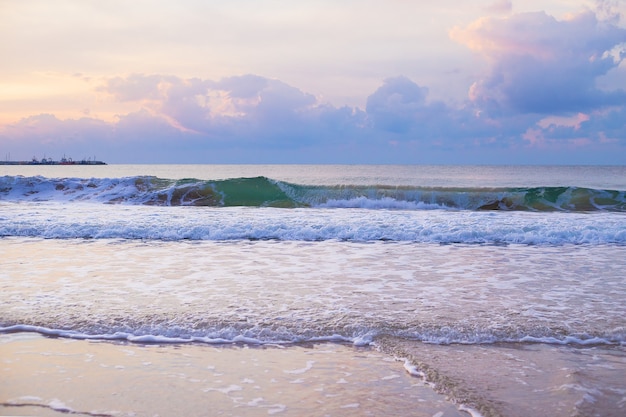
{"x":266,"y":192}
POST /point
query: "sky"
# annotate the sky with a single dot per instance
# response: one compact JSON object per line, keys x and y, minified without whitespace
{"x":341,"y":81}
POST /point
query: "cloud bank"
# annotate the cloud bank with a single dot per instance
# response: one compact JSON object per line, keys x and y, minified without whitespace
{"x":538,"y":100}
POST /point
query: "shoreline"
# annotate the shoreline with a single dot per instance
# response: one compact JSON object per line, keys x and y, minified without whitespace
{"x":520,"y":379}
{"x":47,"y":376}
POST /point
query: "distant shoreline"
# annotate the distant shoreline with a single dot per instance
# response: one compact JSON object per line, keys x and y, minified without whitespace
{"x":49,"y":162}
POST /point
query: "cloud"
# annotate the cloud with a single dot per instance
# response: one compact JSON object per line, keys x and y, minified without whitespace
{"x":585,"y":132}
{"x":396,"y":105}
{"x":608,"y":10}
{"x":247,"y":109}
{"x":201,"y":106}
{"x":538,"y":64}
{"x":250,"y":118}
{"x":46,"y":135}
{"x":402,"y":110}
{"x":244,"y":86}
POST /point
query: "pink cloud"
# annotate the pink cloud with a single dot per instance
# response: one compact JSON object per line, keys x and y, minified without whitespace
{"x":534,"y":137}
{"x":538,"y":64}
{"x":571,"y":121}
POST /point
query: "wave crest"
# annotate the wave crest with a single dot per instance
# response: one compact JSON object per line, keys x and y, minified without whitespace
{"x":266,"y":192}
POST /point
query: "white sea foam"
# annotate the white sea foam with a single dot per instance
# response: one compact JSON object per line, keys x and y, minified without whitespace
{"x":472,"y":412}
{"x":308,"y":367}
{"x":273,"y":292}
{"x":52,"y":220}
{"x":268,"y":337}
{"x":413,"y":369}
{"x":382,"y":203}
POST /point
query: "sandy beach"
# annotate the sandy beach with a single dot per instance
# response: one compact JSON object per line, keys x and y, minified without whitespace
{"x":515,"y":380}
{"x":51,"y":376}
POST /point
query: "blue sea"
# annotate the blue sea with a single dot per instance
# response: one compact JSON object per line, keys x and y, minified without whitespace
{"x":388,"y":256}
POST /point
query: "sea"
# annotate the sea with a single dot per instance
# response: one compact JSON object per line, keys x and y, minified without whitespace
{"x":461,"y":272}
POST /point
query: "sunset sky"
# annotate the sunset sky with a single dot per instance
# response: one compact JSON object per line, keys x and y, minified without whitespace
{"x":342,"y":81}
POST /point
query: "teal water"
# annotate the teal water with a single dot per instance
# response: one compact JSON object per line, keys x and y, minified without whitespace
{"x":570,"y":189}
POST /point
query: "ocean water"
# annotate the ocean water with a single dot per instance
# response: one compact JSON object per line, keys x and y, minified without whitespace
{"x":472,"y":256}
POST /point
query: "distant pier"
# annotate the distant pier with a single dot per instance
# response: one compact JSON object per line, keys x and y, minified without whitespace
{"x":50,"y":161}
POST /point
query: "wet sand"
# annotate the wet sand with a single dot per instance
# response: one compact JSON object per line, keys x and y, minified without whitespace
{"x":44,"y":376}
{"x":520,"y":380}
